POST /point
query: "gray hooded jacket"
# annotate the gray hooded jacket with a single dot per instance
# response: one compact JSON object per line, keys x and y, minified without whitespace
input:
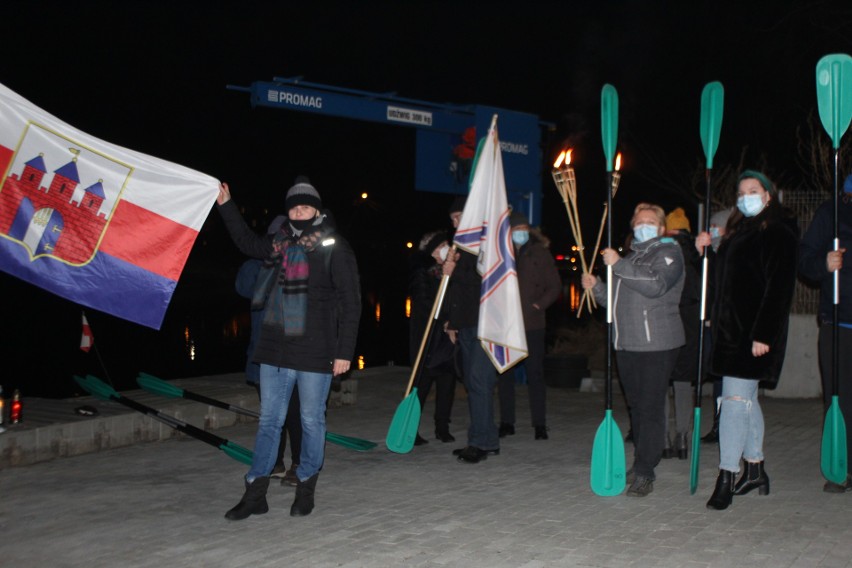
{"x":647,"y":285}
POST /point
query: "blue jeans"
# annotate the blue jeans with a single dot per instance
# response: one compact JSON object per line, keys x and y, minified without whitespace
{"x":740,"y":423}
{"x":480,"y":377}
{"x":276,"y":386}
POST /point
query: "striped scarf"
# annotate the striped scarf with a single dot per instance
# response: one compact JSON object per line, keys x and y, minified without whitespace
{"x":287,"y":301}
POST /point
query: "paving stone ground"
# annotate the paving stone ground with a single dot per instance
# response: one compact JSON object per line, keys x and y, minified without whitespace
{"x":162,"y":503}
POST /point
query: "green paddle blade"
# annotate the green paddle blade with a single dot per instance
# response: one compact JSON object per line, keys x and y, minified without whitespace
{"x":356,"y":444}
{"x":834,"y":94}
{"x":834,"y":459}
{"x":96,"y":387}
{"x":403,"y":428}
{"x":696,"y":451}
{"x":237,"y":452}
{"x":608,"y":475}
{"x":158,"y":386}
{"x":609,"y":123}
{"x":712,"y":107}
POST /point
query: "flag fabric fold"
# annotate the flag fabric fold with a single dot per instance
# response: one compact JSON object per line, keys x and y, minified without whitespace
{"x":98,"y":224}
{"x":484,"y":230}
{"x":87,"y":339}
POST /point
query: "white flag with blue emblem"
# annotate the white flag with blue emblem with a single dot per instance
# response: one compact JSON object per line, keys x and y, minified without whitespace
{"x":484,"y":231}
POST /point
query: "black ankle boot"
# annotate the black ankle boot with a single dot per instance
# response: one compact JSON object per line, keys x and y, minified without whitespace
{"x":442,"y":433}
{"x":253,"y":501}
{"x":754,"y":477}
{"x":681,"y":447}
{"x":724,"y":492}
{"x":668,"y":450}
{"x":506,"y":429}
{"x":304,"y":502}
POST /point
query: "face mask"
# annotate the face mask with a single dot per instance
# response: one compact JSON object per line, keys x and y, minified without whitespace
{"x":520,"y":238}
{"x":442,"y":254}
{"x":750,"y":205}
{"x":302,"y":224}
{"x":643,"y":232}
{"x":714,"y":233}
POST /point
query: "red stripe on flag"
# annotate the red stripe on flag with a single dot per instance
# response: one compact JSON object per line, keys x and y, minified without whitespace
{"x":5,"y":157}
{"x":150,"y":241}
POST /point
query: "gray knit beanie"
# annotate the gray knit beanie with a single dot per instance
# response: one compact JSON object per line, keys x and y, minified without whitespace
{"x":302,"y":193}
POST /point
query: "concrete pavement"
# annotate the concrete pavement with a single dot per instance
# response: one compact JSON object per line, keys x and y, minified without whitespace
{"x":161,"y":503}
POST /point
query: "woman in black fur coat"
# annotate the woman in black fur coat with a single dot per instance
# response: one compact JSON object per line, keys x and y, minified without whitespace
{"x":754,"y":276}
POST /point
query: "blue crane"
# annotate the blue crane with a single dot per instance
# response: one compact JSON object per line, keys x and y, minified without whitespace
{"x":445,"y":139}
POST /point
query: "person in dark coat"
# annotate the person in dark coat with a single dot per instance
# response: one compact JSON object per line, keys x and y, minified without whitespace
{"x":310,"y":295}
{"x":540,"y":286}
{"x":819,"y":262}
{"x":436,"y":364}
{"x":686,"y":366}
{"x":754,"y":278}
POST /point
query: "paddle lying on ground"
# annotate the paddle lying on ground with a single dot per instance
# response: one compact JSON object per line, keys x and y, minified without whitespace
{"x":712,"y":107}
{"x":158,"y":386}
{"x":834,"y":98}
{"x":607,"y":475}
{"x":100,"y":389}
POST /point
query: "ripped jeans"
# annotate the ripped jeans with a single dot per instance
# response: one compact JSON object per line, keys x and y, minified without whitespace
{"x":740,"y":423}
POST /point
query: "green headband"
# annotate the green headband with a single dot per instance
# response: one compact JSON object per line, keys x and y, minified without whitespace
{"x":761,"y":179}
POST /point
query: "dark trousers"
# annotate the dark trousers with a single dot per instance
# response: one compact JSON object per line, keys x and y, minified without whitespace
{"x":645,"y":380}
{"x":844,"y":376}
{"x":534,"y":364}
{"x":445,"y":392}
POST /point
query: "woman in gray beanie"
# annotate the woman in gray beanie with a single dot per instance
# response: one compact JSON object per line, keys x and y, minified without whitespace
{"x":310,"y":295}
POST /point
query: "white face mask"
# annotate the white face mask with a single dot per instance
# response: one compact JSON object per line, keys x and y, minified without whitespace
{"x":751,"y":204}
{"x":443,"y":252}
{"x":644,"y":232}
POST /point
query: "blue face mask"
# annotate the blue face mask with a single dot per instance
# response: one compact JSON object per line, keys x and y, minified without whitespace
{"x":750,"y":205}
{"x":714,"y":233}
{"x":644,"y":232}
{"x":520,"y":238}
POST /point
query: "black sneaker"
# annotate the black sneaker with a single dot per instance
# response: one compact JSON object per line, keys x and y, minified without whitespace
{"x":640,"y":487}
{"x":472,"y":455}
{"x":459,"y":451}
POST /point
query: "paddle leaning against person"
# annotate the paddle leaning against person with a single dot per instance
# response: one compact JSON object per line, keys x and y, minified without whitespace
{"x":540,"y":286}
{"x":436,"y":365}
{"x":647,"y":287}
{"x":310,"y":295}
{"x":754,"y":278}
{"x":818,"y":261}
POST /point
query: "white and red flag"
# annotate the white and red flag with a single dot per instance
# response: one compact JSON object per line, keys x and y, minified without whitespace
{"x":104,"y":226}
{"x":484,"y":230}
{"x":87,"y":340}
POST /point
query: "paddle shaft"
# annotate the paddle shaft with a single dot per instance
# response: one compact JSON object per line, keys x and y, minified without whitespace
{"x":609,"y":346}
{"x":835,"y":325}
{"x":705,"y":268}
{"x":436,"y":309}
{"x":172,"y":422}
{"x":219,"y":404}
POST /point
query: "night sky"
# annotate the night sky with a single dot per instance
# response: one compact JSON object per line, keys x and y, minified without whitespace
{"x":152,"y":76}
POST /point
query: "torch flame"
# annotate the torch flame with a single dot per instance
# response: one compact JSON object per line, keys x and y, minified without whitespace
{"x":568,"y":157}
{"x":618,"y":161}
{"x":559,"y":160}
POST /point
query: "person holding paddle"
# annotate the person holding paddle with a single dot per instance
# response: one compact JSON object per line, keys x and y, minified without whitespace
{"x":754,"y":279}
{"x":647,"y":288}
{"x":819,"y":262}
{"x":310,"y":294}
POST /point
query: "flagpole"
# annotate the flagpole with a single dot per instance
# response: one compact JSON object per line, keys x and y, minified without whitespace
{"x":98,"y":353}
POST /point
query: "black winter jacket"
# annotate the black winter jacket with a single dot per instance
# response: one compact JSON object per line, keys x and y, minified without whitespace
{"x":334,"y":302}
{"x":755,"y":275}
